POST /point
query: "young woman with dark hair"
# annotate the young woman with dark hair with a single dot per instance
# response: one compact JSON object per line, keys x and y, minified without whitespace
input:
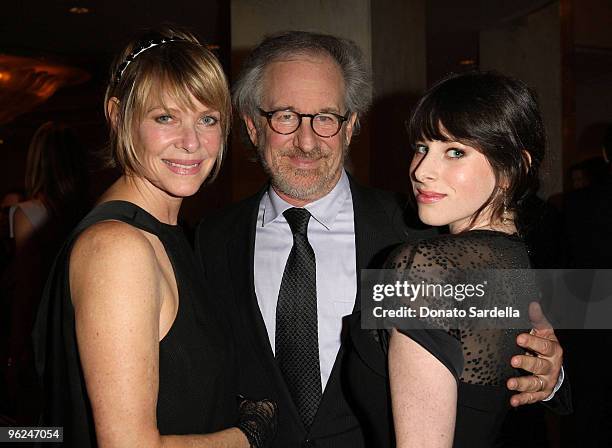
{"x":478,"y":142}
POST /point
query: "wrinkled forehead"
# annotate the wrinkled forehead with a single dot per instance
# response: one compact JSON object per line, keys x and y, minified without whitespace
{"x":302,"y":78}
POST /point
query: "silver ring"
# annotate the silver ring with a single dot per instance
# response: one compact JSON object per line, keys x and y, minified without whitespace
{"x":541,"y":384}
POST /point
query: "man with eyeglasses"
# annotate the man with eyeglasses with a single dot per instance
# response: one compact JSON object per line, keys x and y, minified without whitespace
{"x":286,"y":262}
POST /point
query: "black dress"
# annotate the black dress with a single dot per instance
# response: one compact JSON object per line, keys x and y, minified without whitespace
{"x":478,"y":359}
{"x":196,"y":357}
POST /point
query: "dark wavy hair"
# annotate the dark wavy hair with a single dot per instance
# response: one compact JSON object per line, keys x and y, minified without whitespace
{"x":500,"y":117}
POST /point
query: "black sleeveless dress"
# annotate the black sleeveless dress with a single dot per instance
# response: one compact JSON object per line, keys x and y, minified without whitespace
{"x":197,"y":392}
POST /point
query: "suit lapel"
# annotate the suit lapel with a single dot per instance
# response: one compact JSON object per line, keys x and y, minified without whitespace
{"x":370,"y":232}
{"x":241,"y":248}
{"x":366,"y":214}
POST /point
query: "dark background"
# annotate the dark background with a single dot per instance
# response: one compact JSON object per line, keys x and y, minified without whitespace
{"x":49,"y":31}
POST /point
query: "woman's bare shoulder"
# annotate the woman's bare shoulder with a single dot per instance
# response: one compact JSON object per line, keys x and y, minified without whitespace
{"x":112,"y":253}
{"x":110,"y":238}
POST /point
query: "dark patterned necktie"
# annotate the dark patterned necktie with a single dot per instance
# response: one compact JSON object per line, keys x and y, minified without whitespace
{"x":297,"y":341}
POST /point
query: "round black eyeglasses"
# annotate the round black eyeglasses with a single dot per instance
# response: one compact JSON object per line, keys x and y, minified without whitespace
{"x":286,"y":122}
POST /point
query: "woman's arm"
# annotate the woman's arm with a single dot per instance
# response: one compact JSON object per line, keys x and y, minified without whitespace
{"x":22,"y":230}
{"x":116,"y":293}
{"x":28,"y":273}
{"x":423,"y":395}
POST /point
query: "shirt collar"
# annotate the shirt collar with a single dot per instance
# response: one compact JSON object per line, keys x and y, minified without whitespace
{"x":324,"y":210}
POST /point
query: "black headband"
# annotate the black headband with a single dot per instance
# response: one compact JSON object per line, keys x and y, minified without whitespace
{"x":142,"y":47}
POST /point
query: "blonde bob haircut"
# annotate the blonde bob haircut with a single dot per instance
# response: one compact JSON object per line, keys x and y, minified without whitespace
{"x":179,"y":70}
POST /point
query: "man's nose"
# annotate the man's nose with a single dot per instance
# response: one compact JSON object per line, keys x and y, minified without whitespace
{"x":305,"y":137}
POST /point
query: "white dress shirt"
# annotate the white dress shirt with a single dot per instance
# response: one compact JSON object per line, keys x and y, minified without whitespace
{"x":331,"y":233}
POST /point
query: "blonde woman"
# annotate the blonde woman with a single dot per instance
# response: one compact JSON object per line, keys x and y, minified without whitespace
{"x":131,"y":348}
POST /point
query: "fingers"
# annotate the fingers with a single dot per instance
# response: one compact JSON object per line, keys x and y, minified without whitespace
{"x":527,"y":398}
{"x":533,"y":389}
{"x":531,"y":383}
{"x":537,"y":317}
{"x":542,"y":346}
{"x":544,"y":366}
{"x":532,"y":364}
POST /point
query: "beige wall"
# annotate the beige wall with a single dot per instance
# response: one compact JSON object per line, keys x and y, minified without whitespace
{"x":530,"y":49}
{"x":252,"y":19}
{"x":400,"y":77}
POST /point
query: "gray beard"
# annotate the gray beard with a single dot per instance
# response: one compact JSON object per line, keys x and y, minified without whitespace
{"x":325,"y":183}
{"x":319,"y":189}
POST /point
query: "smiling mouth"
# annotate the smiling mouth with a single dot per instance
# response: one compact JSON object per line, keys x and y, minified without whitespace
{"x":185,"y":167}
{"x":428,"y":197}
{"x":182,"y":165}
{"x":300,"y":161}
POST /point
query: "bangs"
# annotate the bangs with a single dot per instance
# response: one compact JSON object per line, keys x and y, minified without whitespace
{"x":451,"y":113}
{"x":158,"y":91}
{"x":182,"y":77}
{"x":427,"y":124}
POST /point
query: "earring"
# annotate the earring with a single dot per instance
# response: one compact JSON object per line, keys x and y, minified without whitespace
{"x":505,"y":213}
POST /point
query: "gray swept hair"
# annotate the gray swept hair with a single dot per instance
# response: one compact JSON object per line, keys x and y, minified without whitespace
{"x":247,"y":92}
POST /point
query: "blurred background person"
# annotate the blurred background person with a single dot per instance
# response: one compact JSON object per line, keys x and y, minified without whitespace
{"x":588,"y":172}
{"x":9,"y":199}
{"x":7,"y":248}
{"x":588,"y":214}
{"x":56,"y":182}
{"x":588,"y":241}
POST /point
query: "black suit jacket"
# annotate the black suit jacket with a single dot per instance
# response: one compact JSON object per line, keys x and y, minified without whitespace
{"x":588,"y":226}
{"x":225,"y":244}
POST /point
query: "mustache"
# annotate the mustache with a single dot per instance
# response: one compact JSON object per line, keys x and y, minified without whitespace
{"x":315,"y":153}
